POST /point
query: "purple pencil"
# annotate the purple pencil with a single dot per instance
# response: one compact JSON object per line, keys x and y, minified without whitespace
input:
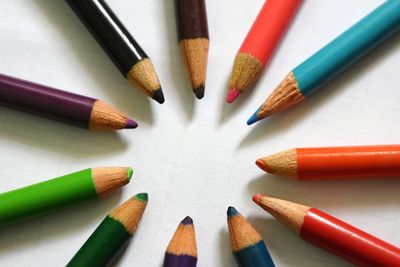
{"x":182,"y":249}
{"x":62,"y":106}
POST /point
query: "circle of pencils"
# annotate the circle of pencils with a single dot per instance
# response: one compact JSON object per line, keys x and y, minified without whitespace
{"x":60,"y":105}
{"x":332,"y":59}
{"x":260,"y":43}
{"x":334,"y":162}
{"x":118,"y":43}
{"x":331,"y":234}
{"x":60,"y":192}
{"x":182,"y":249}
{"x":191,"y":19}
{"x":111,"y":236}
{"x":247,"y":245}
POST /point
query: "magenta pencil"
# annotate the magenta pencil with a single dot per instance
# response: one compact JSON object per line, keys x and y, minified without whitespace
{"x":78,"y":110}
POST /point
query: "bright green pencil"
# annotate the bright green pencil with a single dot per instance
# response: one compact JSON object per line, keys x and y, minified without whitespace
{"x":112,"y":234}
{"x":60,"y":192}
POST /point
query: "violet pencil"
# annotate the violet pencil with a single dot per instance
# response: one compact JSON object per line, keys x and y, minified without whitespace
{"x":78,"y":110}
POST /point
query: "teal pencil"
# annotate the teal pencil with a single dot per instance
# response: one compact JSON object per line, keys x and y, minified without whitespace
{"x":247,"y":245}
{"x":332,"y":59}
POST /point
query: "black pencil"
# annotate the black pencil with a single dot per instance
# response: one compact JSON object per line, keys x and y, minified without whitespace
{"x":120,"y":46}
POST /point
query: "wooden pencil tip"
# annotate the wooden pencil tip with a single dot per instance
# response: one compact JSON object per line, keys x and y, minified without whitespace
{"x":158,"y":96}
{"x":187,"y":221}
{"x":262,"y":165}
{"x":199,"y":92}
{"x":131,"y":124}
{"x":256,"y":198}
{"x":232,"y":95}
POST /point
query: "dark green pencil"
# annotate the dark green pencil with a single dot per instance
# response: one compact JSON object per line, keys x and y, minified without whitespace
{"x":112,"y":234}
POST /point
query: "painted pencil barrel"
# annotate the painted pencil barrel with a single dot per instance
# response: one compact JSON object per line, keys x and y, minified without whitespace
{"x":45,"y":101}
{"x":192,"y":19}
{"x":347,"y":241}
{"x":348,"y":162}
{"x":255,"y":256}
{"x":348,"y":47}
{"x":46,"y":196}
{"x":109,"y":31}
{"x":105,"y":242}
{"x":171,"y":260}
{"x":268,"y":28}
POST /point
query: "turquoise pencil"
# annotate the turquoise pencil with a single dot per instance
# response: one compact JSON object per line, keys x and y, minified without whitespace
{"x":247,"y":245}
{"x":332,"y":59}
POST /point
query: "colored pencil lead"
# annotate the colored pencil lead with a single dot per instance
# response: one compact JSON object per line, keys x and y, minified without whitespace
{"x":131,"y":124}
{"x":199,"y":92}
{"x":158,"y":95}
{"x":232,"y":95}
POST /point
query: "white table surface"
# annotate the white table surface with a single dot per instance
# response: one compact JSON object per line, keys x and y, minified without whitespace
{"x":192,"y":157}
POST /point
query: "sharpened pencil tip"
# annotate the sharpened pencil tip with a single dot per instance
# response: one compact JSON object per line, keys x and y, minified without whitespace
{"x":256,"y":198}
{"x":187,"y":220}
{"x":144,"y":197}
{"x":158,"y":96}
{"x":232,"y":95}
{"x":253,"y":119}
{"x":130,"y":172}
{"x":231,"y":212}
{"x":131,"y":124}
{"x":199,"y":92}
{"x":262,"y":165}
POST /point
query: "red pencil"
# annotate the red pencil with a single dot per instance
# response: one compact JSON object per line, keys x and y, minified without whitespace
{"x":334,"y":162}
{"x":260,"y":43}
{"x":331,"y":234}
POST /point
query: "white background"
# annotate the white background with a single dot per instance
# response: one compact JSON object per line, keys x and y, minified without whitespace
{"x":192,"y":157}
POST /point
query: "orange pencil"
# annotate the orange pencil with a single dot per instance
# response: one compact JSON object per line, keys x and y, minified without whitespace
{"x":334,"y":162}
{"x":260,"y":43}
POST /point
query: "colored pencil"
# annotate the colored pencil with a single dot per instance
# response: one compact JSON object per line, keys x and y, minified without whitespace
{"x":60,"y":105}
{"x":119,"y":44}
{"x":334,"y":162}
{"x":247,"y":245}
{"x":335,"y":57}
{"x":60,"y":192}
{"x":331,"y":234}
{"x":112,"y":235}
{"x":192,"y":27}
{"x":182,"y":249}
{"x":260,"y":44}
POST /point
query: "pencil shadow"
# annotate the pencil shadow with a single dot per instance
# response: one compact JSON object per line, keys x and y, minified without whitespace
{"x":68,"y":221}
{"x":57,"y":137}
{"x":289,"y":248}
{"x":225,"y":249}
{"x":341,"y":192}
{"x":269,"y":127}
{"x":178,"y":73}
{"x":95,"y":62}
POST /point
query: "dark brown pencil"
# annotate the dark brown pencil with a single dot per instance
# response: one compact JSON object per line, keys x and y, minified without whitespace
{"x":193,"y":39}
